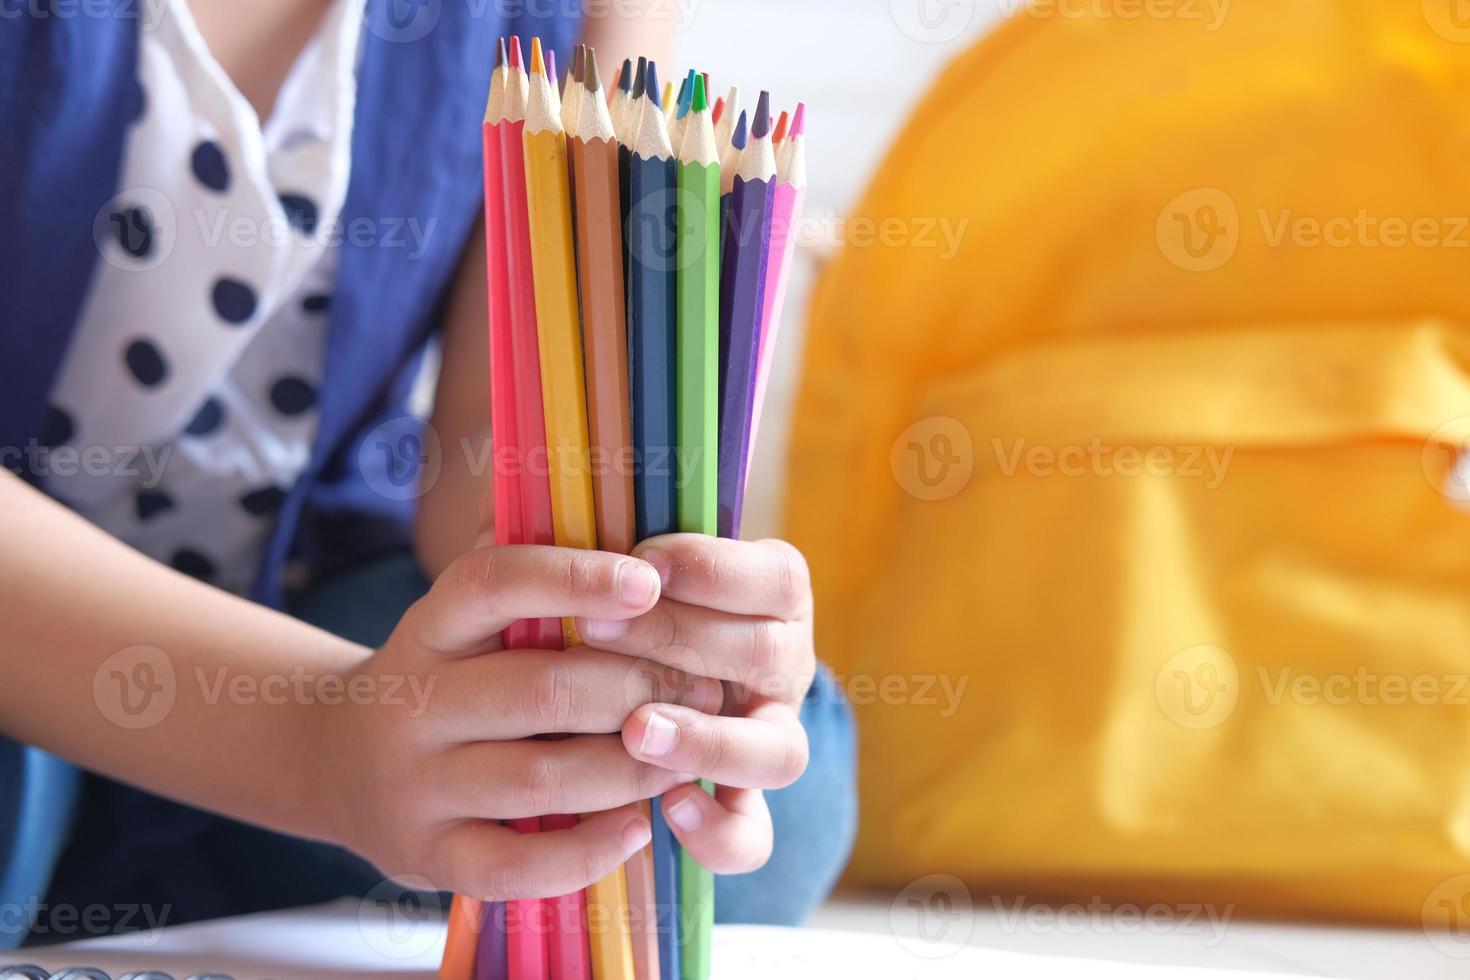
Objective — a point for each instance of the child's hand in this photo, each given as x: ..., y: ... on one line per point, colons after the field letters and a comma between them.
x: 741, y: 613
x: 416, y: 783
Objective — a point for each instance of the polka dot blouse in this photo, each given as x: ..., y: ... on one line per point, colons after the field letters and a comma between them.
x: 189, y: 394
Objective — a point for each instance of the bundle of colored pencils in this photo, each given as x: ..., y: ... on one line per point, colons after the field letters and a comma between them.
x: 638, y: 251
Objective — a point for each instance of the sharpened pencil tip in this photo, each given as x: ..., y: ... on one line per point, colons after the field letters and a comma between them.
x: 798, y: 121
x: 650, y: 86
x: 579, y: 63
x: 686, y: 92
x: 780, y: 133
x: 738, y: 138
x: 500, y: 56
x: 590, y: 77
x: 760, y: 127
x: 538, y: 60
x: 515, y: 51
x: 640, y: 79
x: 700, y: 100
x: 625, y: 75
x: 551, y: 65
x: 719, y: 111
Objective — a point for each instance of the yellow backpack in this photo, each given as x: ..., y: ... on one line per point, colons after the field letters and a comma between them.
x: 1125, y: 460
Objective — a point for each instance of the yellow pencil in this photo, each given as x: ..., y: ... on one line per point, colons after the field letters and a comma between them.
x: 554, y: 272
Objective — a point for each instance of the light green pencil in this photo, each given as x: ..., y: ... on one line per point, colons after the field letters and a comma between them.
x: 698, y: 301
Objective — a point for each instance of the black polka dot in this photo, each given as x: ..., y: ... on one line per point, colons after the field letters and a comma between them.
x: 208, y: 419
x: 150, y: 503
x: 210, y: 166
x: 320, y: 303
x: 233, y: 300
x: 292, y: 396
x: 146, y: 363
x: 58, y: 428
x: 133, y: 229
x: 302, y: 212
x: 263, y: 502
x: 191, y: 562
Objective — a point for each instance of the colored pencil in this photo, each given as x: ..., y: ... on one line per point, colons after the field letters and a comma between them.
x: 463, y: 941
x: 681, y: 112
x: 730, y: 161
x: 530, y: 417
x: 652, y: 300
x: 493, y: 959
x: 742, y: 303
x: 666, y: 101
x: 725, y: 124
x: 699, y: 319
x: 786, y: 209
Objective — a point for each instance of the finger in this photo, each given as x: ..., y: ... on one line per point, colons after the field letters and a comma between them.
x: 729, y: 833
x: 485, y: 591
x: 748, y: 578
x: 757, y: 652
x: 766, y: 750
x: 495, y: 863
x: 520, y: 693
x: 510, y: 780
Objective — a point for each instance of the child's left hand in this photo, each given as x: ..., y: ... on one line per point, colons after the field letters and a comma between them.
x: 739, y: 612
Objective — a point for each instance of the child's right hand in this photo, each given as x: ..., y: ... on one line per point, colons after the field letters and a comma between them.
x: 417, y: 785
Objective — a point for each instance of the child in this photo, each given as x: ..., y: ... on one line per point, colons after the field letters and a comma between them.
x: 212, y: 325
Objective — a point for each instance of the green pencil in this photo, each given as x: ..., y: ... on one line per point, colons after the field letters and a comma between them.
x: 698, y: 301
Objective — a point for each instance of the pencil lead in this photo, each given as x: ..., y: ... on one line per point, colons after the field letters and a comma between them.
x: 719, y: 110
x: 760, y: 127
x: 500, y: 56
x: 640, y: 79
x: 798, y: 121
x: 667, y: 96
x: 625, y: 75
x: 589, y: 71
x: 579, y: 63
x: 551, y: 66
x: 700, y: 101
x: 738, y: 138
x: 538, y: 60
x: 705, y: 76
x: 780, y: 133
x: 686, y: 93
x: 515, y: 51
x: 650, y: 85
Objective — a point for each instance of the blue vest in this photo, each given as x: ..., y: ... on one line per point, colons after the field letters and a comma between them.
x: 68, y: 92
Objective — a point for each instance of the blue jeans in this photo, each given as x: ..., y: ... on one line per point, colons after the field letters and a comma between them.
x: 122, y: 845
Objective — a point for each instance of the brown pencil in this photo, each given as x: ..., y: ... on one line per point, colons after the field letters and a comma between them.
x: 594, y: 150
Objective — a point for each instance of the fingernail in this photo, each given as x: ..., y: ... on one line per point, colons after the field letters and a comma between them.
x: 685, y: 778
x: 660, y: 735
x: 636, y: 585
x: 602, y: 630
x: 685, y: 814
x: 636, y: 835
x: 660, y: 562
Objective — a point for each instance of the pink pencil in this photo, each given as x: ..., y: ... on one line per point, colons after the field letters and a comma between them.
x: 785, y: 213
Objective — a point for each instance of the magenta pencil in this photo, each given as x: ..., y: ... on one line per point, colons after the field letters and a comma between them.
x: 786, y: 207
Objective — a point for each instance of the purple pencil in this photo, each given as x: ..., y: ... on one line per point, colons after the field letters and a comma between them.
x: 742, y: 305
x: 490, y: 961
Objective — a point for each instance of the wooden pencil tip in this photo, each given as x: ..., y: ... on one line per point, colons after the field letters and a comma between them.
x: 700, y: 101
x: 650, y: 86
x: 780, y: 133
x: 686, y: 93
x: 798, y: 122
x: 515, y: 51
x: 738, y: 138
x: 500, y: 56
x: 719, y: 111
x: 551, y: 65
x: 579, y: 63
x: 538, y: 60
x: 760, y: 127
x: 590, y: 77
x: 625, y: 75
